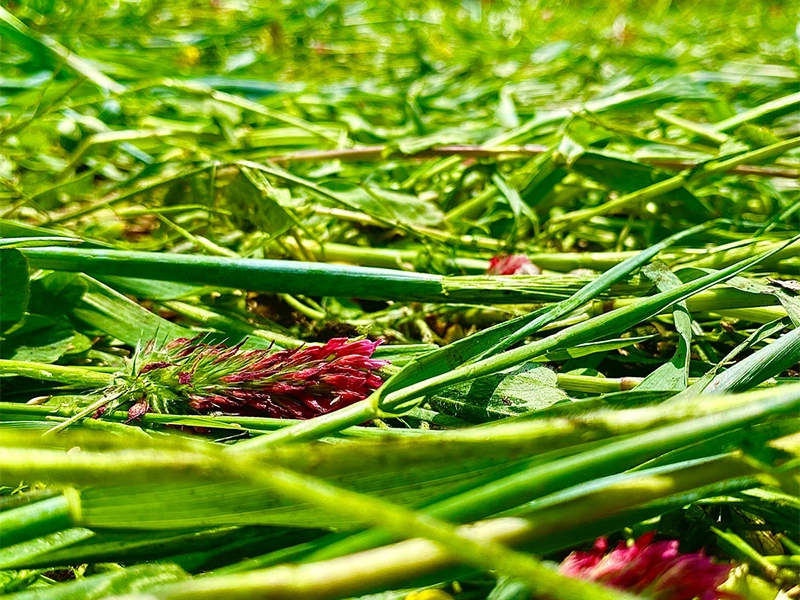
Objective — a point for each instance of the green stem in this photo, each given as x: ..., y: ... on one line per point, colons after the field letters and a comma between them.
x: 673, y: 183
x: 482, y: 553
x: 387, y: 258
x: 13, y: 411
x: 585, y: 505
x: 83, y: 413
x: 309, y: 312
x: 117, y: 197
x: 228, y: 324
x: 479, y: 551
x: 744, y: 551
x: 757, y: 112
x: 75, y: 376
x: 290, y: 277
x: 472, y: 206
x: 35, y: 520
x: 612, y: 458
x: 312, y: 429
x: 699, y: 129
x: 594, y: 288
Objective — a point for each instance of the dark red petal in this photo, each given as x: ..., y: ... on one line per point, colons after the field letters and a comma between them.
x: 138, y: 410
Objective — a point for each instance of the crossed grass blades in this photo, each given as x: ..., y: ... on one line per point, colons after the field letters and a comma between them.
x: 573, y: 227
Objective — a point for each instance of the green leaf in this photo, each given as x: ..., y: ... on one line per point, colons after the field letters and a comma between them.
x: 129, y: 546
x: 30, y: 521
x: 152, y: 289
x: 396, y: 206
x: 624, y: 175
x: 56, y: 293
x: 518, y: 207
x: 32, y: 242
x: 508, y: 589
x: 771, y: 360
x: 254, y: 204
x: 789, y: 301
x: 14, y: 286
x: 122, y: 318
x: 521, y: 390
x: 43, y: 339
x: 506, y: 113
x: 138, y: 578
x: 673, y: 375
x: 547, y: 173
x: 761, y: 334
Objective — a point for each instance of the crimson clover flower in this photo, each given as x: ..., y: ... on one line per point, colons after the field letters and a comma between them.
x: 299, y: 383
x: 512, y: 264
x: 654, y: 569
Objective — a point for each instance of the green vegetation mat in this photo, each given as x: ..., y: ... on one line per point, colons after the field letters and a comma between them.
x: 387, y: 300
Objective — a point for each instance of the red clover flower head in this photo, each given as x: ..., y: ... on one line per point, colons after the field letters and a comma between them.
x: 299, y: 383
x: 653, y: 569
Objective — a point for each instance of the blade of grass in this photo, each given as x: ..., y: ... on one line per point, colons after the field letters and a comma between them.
x: 757, y: 112
x: 34, y: 520
x: 58, y: 373
x: 771, y: 360
x: 19, y: 554
x: 594, y: 288
x: 52, y: 52
x: 656, y: 190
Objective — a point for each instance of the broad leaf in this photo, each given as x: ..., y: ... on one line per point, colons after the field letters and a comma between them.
x: 14, y: 286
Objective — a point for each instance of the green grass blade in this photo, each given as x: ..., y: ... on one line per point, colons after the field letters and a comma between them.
x: 50, y: 51
x: 771, y: 360
x: 37, y: 519
x: 19, y: 555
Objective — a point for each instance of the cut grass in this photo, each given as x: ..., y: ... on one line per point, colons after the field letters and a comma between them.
x: 290, y: 173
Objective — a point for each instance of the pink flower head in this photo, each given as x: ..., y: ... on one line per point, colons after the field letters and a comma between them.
x: 655, y: 570
x: 512, y: 264
x: 300, y: 383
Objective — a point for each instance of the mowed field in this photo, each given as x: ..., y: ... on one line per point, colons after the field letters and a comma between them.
x: 400, y: 300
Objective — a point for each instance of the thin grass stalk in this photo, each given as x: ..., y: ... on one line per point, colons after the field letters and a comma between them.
x: 75, y: 376
x: 771, y: 360
x: 588, y: 331
x: 521, y: 438
x: 227, y: 324
x: 483, y: 553
x: 594, y: 288
x: 382, y: 152
x: 34, y: 520
x: 659, y: 189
